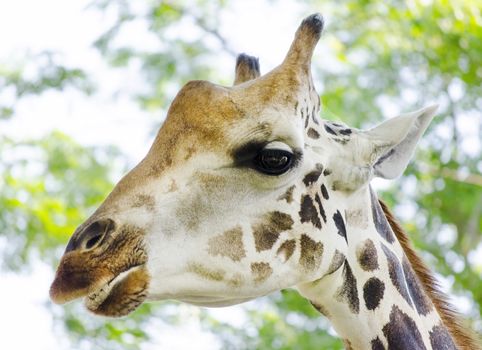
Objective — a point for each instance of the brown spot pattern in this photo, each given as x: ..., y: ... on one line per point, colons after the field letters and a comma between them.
x: 340, y: 225
x: 463, y: 337
x: 236, y: 280
x: 311, y: 253
x: 229, y: 244
x: 261, y: 271
x: 373, y: 291
x: 422, y: 303
x: 402, y: 332
x: 396, y: 274
x: 312, y: 176
x: 336, y: 262
x: 205, y: 272
x: 381, y: 224
x: 324, y: 192
x: 266, y: 233
x: 367, y: 255
x: 288, y: 195
x: 312, y: 133
x: 287, y: 249
x: 440, y: 339
x: 348, y: 292
x: 320, y: 206
x: 308, y: 212
x: 377, y: 344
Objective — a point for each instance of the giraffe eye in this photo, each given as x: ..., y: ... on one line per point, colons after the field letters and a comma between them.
x: 273, y: 161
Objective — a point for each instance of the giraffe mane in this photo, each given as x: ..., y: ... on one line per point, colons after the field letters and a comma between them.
x: 463, y: 337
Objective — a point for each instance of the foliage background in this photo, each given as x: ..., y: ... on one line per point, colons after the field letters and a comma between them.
x: 376, y: 59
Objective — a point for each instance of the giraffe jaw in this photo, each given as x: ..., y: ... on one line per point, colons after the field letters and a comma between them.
x: 213, y: 301
x: 121, y: 295
x: 94, y: 299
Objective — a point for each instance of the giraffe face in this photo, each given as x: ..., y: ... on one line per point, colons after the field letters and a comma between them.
x: 242, y: 193
x: 236, y: 210
x: 209, y: 215
x: 229, y: 220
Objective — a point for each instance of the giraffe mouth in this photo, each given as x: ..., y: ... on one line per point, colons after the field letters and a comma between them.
x: 112, y: 279
x: 121, y: 295
x: 94, y: 299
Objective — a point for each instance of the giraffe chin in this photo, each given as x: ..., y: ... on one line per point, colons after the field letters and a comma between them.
x: 120, y: 296
x: 213, y: 301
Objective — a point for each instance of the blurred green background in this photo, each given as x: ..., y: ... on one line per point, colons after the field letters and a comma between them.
x: 375, y: 59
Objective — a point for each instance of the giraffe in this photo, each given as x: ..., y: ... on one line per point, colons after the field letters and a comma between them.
x: 245, y: 191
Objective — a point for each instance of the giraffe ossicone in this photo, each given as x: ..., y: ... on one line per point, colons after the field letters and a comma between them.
x: 246, y: 191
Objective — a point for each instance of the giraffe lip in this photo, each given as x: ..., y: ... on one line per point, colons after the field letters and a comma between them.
x: 95, y: 298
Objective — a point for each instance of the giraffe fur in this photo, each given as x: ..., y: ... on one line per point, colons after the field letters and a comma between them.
x: 246, y: 191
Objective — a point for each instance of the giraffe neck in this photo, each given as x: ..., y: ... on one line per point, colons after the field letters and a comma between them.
x: 374, y: 298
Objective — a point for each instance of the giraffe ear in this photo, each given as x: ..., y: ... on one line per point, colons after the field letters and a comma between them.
x: 393, y: 142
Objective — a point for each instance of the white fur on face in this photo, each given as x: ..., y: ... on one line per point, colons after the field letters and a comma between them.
x: 208, y: 197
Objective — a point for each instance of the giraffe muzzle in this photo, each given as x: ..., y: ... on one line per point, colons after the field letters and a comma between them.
x: 104, y: 262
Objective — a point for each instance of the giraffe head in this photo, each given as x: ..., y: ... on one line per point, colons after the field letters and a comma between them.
x: 240, y: 194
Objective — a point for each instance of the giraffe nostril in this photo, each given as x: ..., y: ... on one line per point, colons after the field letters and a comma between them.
x: 91, y: 236
x: 93, y: 241
x: 94, y: 234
